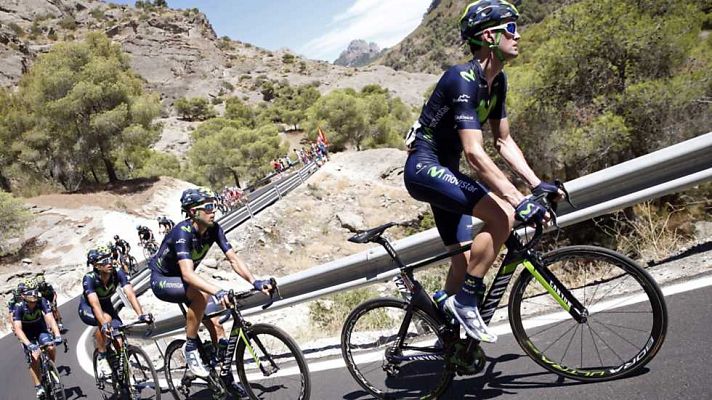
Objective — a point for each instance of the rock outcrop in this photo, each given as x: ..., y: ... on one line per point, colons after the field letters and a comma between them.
x: 358, y: 54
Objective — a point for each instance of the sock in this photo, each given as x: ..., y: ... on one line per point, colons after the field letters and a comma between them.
x: 101, y: 355
x: 467, y: 296
x: 191, y: 344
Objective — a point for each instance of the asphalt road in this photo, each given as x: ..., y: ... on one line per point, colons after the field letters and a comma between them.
x: 680, y: 371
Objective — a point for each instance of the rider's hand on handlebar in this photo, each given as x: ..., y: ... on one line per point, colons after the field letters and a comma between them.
x: 147, y: 318
x: 529, y: 211
x: 222, y: 297
x: 263, y: 285
x: 547, y: 188
x: 58, y: 340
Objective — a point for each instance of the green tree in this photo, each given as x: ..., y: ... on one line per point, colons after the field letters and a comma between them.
x: 82, y: 107
x: 230, y: 155
x: 194, y: 109
x: 14, y: 218
x: 344, y: 115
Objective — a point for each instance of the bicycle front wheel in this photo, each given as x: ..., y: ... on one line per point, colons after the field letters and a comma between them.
x: 271, y: 365
x: 625, y: 326
x: 143, y: 380
x: 389, y: 364
x: 53, y: 386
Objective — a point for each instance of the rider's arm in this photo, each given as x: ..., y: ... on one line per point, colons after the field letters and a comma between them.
x: 17, y: 325
x: 486, y: 169
x: 49, y: 318
x: 510, y: 151
x: 239, y: 266
x: 130, y: 294
x: 99, y: 314
x: 193, y: 279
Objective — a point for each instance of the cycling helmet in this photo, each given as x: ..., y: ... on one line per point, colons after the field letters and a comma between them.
x: 138, y: 227
x: 103, y: 251
x: 92, y: 256
x: 193, y: 197
x: 116, y: 237
x: 30, y: 283
x: 21, y: 287
x: 483, y: 14
x: 40, y: 279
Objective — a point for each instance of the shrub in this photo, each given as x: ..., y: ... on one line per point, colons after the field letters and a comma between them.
x: 288, y: 58
x: 195, y: 109
x: 329, y: 313
x: 16, y: 28
x: 14, y: 219
x: 68, y: 22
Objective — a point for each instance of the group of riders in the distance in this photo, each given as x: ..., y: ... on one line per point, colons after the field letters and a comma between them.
x: 450, y: 124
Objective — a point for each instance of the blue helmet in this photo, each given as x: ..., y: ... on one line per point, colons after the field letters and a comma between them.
x: 483, y: 14
x: 92, y: 256
x: 193, y: 197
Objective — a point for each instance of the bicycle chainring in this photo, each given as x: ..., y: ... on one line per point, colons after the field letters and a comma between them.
x: 464, y: 363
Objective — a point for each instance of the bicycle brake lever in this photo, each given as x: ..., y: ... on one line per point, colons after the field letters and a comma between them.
x: 567, y: 197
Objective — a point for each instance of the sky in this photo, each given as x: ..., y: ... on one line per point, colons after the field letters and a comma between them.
x: 317, y: 29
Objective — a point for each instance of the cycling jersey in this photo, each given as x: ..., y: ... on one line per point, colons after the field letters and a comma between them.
x: 14, y: 299
x: 462, y: 99
x: 122, y: 246
x: 184, y: 242
x: 33, y: 322
x: 92, y: 284
x: 145, y: 234
x: 47, y: 291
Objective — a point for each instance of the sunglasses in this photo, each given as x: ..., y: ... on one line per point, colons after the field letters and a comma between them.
x: 104, y: 261
x: 207, y: 207
x: 509, y: 27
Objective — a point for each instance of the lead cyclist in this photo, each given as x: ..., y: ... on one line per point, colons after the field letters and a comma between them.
x: 449, y: 125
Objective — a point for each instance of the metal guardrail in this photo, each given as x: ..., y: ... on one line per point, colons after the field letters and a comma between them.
x: 665, y: 171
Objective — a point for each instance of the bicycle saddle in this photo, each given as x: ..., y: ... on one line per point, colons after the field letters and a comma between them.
x: 371, y: 234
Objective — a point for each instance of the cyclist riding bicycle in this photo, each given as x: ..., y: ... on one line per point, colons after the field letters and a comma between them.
x: 95, y: 308
x: 165, y: 224
x: 450, y: 123
x: 120, y: 252
x: 14, y: 298
x: 173, y: 277
x: 31, y: 318
x: 122, y: 246
x: 48, y: 293
x: 145, y: 234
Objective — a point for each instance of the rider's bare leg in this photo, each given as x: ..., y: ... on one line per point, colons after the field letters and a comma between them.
x: 498, y: 216
x: 194, y: 313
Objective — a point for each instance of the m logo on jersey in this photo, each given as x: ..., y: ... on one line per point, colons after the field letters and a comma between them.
x: 463, y: 98
x: 484, y: 108
x: 468, y: 75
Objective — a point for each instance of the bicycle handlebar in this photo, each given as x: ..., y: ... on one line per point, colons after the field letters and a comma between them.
x: 550, y: 203
x: 233, y: 297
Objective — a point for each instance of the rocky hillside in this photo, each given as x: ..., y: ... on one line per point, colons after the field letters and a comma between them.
x: 435, y: 44
x: 177, y: 51
x: 358, y: 53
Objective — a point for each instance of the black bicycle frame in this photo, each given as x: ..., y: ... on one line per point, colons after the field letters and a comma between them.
x: 517, y: 254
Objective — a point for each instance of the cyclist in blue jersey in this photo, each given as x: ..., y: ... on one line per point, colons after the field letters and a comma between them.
x: 95, y: 308
x: 173, y: 277
x: 450, y: 124
x: 31, y: 319
x: 15, y: 298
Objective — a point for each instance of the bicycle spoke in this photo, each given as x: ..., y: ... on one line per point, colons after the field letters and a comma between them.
x: 606, y: 344
x: 593, y: 340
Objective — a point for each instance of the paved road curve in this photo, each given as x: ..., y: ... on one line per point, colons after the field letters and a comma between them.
x: 681, y: 370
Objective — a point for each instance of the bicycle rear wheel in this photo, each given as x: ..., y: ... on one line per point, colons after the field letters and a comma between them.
x: 53, y: 386
x: 625, y: 326
x: 271, y: 365
x: 143, y: 380
x: 387, y: 365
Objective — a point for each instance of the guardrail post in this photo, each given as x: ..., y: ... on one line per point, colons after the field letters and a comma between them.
x: 276, y: 189
x: 249, y: 210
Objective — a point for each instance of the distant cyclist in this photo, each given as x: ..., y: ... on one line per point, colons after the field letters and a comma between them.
x: 14, y: 298
x: 145, y: 235
x: 95, y: 308
x: 32, y: 321
x: 173, y: 277
x: 450, y: 124
x: 165, y: 224
x: 122, y: 245
x: 48, y: 293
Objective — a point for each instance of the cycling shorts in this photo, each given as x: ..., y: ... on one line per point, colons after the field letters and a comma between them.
x: 451, y: 194
x: 40, y: 338
x: 86, y: 314
x: 174, y: 289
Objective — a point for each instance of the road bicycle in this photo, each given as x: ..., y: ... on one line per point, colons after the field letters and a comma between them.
x: 150, y: 248
x: 269, y: 363
x: 133, y: 376
x: 582, y: 312
x: 49, y: 376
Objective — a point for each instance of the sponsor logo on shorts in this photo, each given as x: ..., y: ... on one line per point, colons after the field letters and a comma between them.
x: 439, y: 172
x: 464, y: 118
x: 170, y: 285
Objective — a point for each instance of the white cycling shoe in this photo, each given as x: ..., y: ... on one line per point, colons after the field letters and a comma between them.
x: 470, y: 319
x: 195, y: 364
x: 102, y: 367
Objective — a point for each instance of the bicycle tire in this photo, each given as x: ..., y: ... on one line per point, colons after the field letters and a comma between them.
x: 170, y: 369
x: 388, y: 313
x: 262, y: 338
x: 591, y: 274
x: 101, y: 383
x: 141, y: 381
x: 54, y: 387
